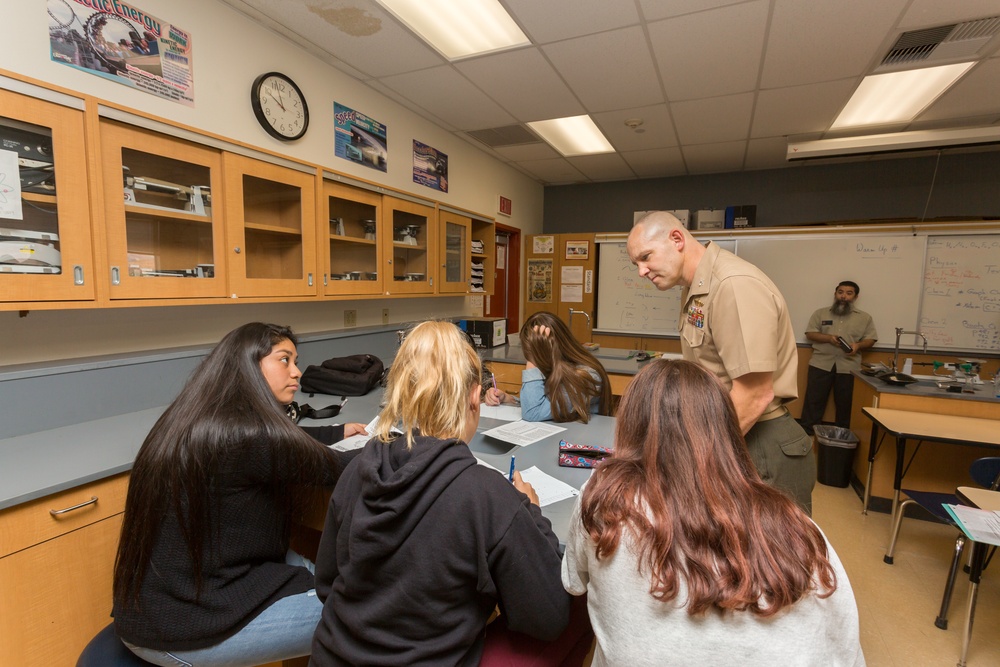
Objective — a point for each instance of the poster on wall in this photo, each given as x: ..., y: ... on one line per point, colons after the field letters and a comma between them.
x: 540, y: 280
x: 121, y: 42
x: 430, y: 167
x: 359, y: 138
x: 578, y: 250
x: 543, y: 245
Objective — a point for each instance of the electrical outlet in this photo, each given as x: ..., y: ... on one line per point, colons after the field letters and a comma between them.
x: 350, y: 318
x: 385, y: 316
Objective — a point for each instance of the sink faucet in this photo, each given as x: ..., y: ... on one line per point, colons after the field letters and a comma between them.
x: 578, y: 312
x: 895, y: 355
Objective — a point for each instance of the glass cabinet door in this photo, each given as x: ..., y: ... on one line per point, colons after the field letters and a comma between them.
x: 165, y: 235
x: 413, y: 228
x: 272, y: 228
x: 455, y: 251
x: 354, y: 219
x: 45, y: 242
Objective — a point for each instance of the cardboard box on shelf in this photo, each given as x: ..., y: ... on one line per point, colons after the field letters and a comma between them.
x: 709, y: 219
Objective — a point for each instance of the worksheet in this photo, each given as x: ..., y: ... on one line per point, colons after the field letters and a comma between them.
x: 507, y: 413
x: 523, y: 433
x: 549, y: 489
x: 979, y: 525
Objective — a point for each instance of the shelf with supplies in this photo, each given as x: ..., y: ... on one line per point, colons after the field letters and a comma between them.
x: 353, y: 256
x: 412, y: 224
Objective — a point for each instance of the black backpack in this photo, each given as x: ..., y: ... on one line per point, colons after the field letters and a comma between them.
x: 355, y: 375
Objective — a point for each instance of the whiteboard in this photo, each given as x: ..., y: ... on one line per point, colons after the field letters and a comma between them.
x: 627, y: 303
x: 961, y: 292
x: 888, y: 269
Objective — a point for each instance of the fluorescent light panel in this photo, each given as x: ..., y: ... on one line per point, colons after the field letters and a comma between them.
x: 897, y: 96
x: 459, y: 28
x: 576, y: 135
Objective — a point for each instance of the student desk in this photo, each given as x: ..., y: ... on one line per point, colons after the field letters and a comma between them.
x: 543, y: 454
x: 905, y: 425
x: 987, y: 500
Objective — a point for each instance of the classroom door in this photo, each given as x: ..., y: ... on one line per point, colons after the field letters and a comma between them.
x: 507, y: 282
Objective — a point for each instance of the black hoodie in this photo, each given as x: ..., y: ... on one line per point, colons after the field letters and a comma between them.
x: 420, y: 546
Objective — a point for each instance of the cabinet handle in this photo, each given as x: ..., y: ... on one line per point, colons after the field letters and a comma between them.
x: 93, y: 499
x: 77, y: 274
x: 324, y: 281
x: 236, y: 250
x: 310, y: 280
x: 116, y: 276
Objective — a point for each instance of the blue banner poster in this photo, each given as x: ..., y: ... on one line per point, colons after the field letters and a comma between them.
x: 430, y: 167
x: 121, y: 42
x: 359, y: 138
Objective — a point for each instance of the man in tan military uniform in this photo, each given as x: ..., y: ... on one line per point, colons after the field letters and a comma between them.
x: 735, y: 323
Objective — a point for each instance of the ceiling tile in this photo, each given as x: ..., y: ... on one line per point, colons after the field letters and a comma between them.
x: 656, y: 131
x: 553, y: 171
x: 974, y: 94
x: 927, y: 13
x: 449, y: 95
x: 711, y: 53
x: 799, y: 109
x: 715, y: 158
x: 540, y: 96
x: 658, y: 162
x: 658, y: 9
x: 523, y: 152
x: 713, y: 120
x: 612, y: 70
x: 608, y: 167
x: 769, y: 153
x: 552, y: 20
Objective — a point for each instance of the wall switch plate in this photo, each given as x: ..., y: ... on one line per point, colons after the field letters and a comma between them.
x: 350, y: 318
x: 385, y: 316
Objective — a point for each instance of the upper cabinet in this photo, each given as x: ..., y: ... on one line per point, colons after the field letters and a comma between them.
x: 45, y: 240
x: 164, y: 227
x: 271, y: 228
x: 466, y: 253
x: 410, y: 262
x: 351, y: 240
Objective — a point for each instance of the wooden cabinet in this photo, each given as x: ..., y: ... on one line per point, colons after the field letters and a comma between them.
x: 484, y: 253
x: 271, y: 228
x: 409, y: 265
x: 454, y: 252
x: 351, y: 240
x: 56, y: 572
x: 45, y: 240
x: 163, y: 225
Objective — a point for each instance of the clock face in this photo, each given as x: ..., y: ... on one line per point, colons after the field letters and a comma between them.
x: 279, y: 106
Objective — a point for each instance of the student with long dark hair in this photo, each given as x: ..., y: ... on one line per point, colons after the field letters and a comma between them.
x: 562, y: 381
x: 204, y: 574
x: 687, y: 557
x: 421, y: 545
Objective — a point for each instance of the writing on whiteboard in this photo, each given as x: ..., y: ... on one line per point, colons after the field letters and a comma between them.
x: 879, y: 250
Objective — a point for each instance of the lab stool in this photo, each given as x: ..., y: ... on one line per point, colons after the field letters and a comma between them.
x: 106, y: 650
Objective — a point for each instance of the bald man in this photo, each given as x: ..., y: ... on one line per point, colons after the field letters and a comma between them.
x: 735, y: 323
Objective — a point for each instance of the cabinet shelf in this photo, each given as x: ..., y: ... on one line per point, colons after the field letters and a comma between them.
x: 408, y: 246
x: 38, y: 198
x: 157, y: 212
x: 271, y: 229
x: 351, y: 239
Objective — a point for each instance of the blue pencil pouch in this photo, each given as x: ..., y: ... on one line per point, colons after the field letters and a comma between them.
x: 582, y: 456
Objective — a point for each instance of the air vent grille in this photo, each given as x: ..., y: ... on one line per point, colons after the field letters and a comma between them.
x: 508, y: 135
x: 941, y: 44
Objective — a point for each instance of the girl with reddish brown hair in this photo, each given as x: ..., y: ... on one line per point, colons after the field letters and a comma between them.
x: 687, y: 557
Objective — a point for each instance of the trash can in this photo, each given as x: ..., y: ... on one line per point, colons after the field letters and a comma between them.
x: 836, y: 454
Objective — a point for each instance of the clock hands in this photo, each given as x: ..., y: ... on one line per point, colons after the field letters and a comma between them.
x: 277, y: 100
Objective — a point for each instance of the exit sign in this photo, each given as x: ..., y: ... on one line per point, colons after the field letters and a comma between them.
x: 504, y: 206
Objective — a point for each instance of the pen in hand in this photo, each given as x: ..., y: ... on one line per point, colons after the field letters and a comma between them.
x: 510, y: 475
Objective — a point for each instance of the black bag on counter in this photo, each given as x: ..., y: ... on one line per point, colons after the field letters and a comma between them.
x: 355, y: 375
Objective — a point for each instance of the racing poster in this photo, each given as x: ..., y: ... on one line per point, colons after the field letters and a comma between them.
x: 430, y: 167
x: 359, y: 138
x: 121, y: 42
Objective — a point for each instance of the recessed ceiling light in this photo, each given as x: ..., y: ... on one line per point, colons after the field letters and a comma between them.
x: 897, y: 97
x: 459, y: 28
x: 576, y: 135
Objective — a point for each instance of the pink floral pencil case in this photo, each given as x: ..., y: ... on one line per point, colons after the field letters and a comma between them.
x: 582, y: 456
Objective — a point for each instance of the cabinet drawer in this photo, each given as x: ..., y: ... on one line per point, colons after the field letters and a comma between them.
x: 33, y: 522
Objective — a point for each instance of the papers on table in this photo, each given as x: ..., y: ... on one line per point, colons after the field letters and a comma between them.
x: 549, y: 489
x: 507, y: 413
x: 979, y: 525
x: 358, y: 441
x: 523, y: 433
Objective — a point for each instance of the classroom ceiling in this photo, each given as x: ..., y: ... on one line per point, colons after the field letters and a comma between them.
x: 719, y: 85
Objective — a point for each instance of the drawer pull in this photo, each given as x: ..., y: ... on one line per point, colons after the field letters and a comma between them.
x: 93, y: 499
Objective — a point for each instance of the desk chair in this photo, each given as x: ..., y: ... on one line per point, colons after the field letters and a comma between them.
x: 986, y: 473
x: 106, y: 650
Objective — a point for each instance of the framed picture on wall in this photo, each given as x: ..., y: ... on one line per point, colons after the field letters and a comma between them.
x: 578, y: 250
